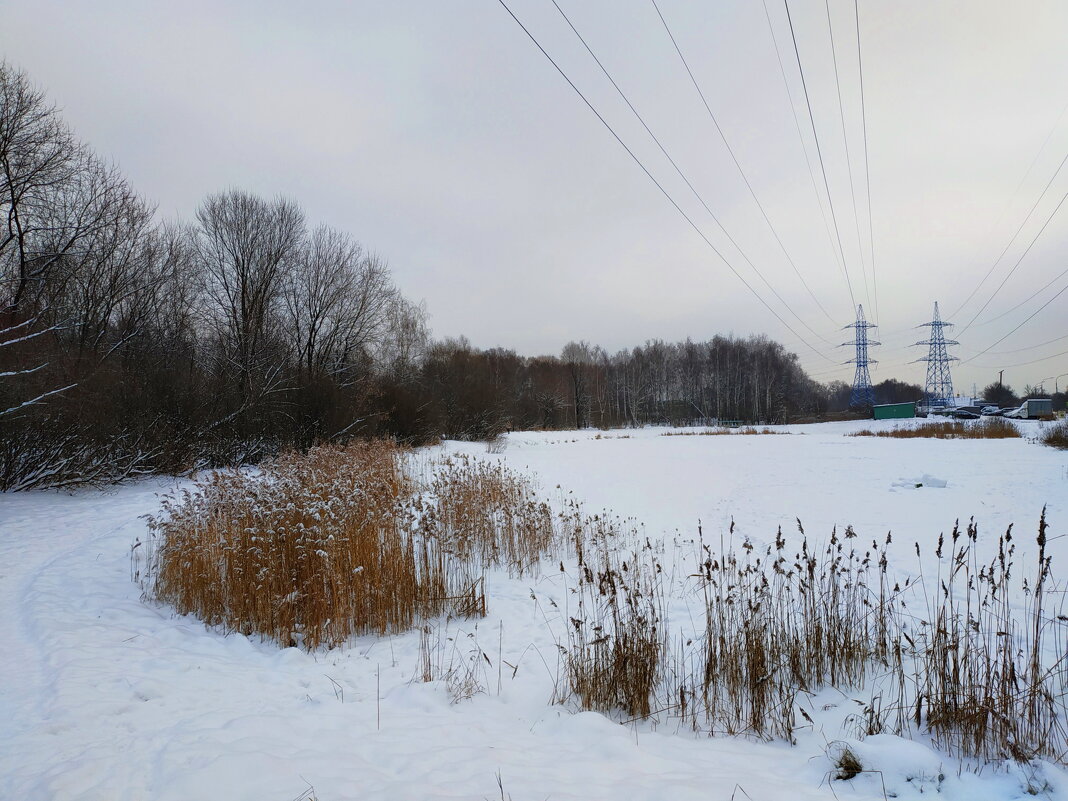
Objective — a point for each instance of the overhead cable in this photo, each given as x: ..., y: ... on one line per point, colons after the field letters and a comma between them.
x: 819, y: 153
x: 658, y: 185
x: 682, y: 175
x: 737, y: 164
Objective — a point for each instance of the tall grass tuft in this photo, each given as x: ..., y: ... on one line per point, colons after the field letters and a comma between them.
x: 616, y: 636
x: 987, y: 681
x: 777, y: 624
x: 309, y: 550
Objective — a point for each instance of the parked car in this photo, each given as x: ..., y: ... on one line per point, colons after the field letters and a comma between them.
x: 991, y: 411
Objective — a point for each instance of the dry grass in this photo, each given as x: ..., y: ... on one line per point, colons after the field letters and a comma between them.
x: 1056, y: 436
x: 985, y: 428
x: 776, y: 624
x: 486, y: 515
x: 846, y: 763
x: 952, y: 655
x: 723, y: 431
x: 314, y: 548
x: 311, y: 550
x: 616, y: 641
x: 456, y: 660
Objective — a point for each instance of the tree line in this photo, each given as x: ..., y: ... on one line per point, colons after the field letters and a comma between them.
x: 131, y: 344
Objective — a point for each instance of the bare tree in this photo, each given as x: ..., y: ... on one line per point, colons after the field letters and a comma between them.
x: 111, y: 270
x: 579, y: 358
x: 244, y: 245
x: 38, y: 157
x: 405, y: 339
x: 71, y: 231
x: 337, y: 304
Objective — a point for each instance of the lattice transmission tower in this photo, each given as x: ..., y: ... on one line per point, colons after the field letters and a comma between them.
x: 863, y: 395
x: 938, y: 391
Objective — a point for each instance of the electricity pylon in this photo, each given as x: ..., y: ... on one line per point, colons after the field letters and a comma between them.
x: 863, y: 395
x: 938, y: 391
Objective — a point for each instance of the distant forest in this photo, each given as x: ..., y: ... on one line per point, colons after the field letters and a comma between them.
x: 133, y: 345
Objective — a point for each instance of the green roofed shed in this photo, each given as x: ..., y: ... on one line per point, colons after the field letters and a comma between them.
x: 893, y: 411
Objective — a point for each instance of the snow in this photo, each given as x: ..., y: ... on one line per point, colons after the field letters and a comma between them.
x: 926, y: 480
x: 106, y: 696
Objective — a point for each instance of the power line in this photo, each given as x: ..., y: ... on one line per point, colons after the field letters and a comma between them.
x: 667, y: 155
x: 1029, y: 213
x: 1029, y: 347
x: 800, y: 136
x: 867, y: 171
x: 1022, y: 364
x: 819, y: 152
x: 1029, y: 298
x: 652, y: 178
x: 1017, y: 328
x: 1019, y: 260
x: 737, y: 164
x: 845, y: 141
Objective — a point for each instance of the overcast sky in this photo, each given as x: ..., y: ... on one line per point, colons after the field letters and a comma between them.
x: 442, y: 138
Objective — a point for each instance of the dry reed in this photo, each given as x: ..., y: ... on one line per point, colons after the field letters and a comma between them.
x: 1056, y: 436
x: 776, y: 624
x: 987, y: 682
x: 986, y: 428
x: 486, y: 514
x: 953, y: 655
x: 616, y: 638
x: 310, y: 550
x: 723, y: 431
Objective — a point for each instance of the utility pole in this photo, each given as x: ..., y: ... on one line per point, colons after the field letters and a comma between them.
x: 863, y: 394
x: 938, y: 390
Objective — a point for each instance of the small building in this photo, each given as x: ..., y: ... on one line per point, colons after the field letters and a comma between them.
x: 894, y: 411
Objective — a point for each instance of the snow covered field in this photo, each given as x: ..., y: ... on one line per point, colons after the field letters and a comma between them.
x: 107, y: 697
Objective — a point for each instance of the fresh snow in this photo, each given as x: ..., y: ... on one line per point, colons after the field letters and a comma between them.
x: 105, y: 696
